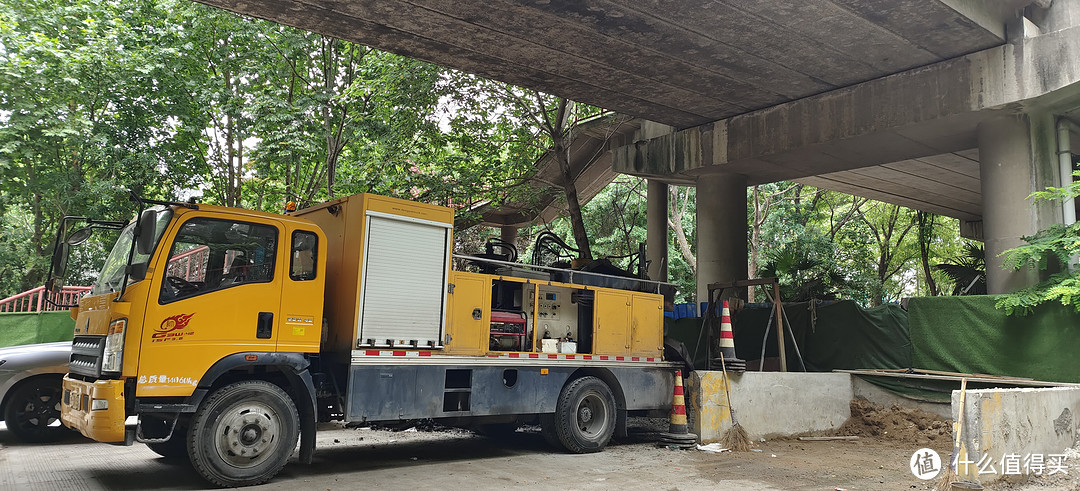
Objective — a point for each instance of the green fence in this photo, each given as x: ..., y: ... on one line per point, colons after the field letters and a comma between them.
x: 951, y: 334
x: 18, y: 328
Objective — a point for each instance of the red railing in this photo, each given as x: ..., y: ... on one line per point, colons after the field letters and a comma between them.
x: 35, y: 300
x: 190, y: 265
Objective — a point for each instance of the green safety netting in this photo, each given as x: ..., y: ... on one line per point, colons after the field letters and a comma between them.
x: 18, y: 328
x: 829, y: 336
x: 950, y: 334
x: 969, y: 335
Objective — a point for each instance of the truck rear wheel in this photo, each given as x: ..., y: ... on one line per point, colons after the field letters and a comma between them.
x: 584, y: 418
x: 243, y: 434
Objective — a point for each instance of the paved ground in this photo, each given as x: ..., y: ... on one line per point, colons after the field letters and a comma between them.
x: 351, y: 458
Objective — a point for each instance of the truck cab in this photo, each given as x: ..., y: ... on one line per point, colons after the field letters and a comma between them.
x: 189, y: 298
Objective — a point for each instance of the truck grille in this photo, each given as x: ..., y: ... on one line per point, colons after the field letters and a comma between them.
x: 86, y: 355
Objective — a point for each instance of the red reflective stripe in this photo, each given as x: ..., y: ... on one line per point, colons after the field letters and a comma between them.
x: 678, y: 410
x: 726, y: 335
x: 635, y: 358
x: 725, y: 319
x: 552, y: 357
x: 586, y: 357
x: 371, y: 352
x: 534, y: 355
x: 399, y: 353
x: 513, y: 355
x: 425, y: 353
x: 604, y: 357
x: 569, y: 357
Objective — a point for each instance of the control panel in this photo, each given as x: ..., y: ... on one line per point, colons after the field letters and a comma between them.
x: 557, y: 314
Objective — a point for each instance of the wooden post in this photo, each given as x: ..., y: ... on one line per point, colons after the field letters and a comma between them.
x: 779, y: 325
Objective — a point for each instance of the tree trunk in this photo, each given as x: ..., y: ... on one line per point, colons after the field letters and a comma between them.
x: 755, y: 243
x: 926, y: 229
x: 675, y: 222
x: 559, y: 131
x: 573, y: 205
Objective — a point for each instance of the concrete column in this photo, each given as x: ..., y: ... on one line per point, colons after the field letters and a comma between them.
x: 721, y: 230
x: 656, y: 225
x: 1016, y: 155
x: 509, y: 234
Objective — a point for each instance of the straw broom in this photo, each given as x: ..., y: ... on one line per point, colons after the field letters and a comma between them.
x: 950, y: 473
x: 735, y: 438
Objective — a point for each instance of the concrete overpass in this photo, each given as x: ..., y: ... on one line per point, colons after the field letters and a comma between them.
x: 949, y: 106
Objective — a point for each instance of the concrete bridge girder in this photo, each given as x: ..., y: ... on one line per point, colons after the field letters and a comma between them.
x: 979, y: 127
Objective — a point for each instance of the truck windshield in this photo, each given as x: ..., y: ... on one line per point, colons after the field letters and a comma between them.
x: 112, y: 272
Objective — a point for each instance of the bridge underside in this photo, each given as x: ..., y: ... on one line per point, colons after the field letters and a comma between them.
x: 947, y: 106
x: 678, y: 63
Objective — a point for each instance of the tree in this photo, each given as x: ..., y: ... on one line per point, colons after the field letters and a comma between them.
x: 762, y: 201
x: 77, y: 120
x: 889, y: 227
x: 1051, y: 248
x: 925, y: 227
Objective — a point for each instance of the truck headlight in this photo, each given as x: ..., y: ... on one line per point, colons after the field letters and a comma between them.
x: 114, y: 347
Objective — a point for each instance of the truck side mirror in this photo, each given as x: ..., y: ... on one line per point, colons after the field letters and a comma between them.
x: 59, y: 267
x: 79, y: 236
x: 144, y: 243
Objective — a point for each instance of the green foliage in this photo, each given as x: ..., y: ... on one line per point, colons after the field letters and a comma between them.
x: 968, y: 271
x: 86, y: 105
x: 806, y: 269
x: 1050, y: 248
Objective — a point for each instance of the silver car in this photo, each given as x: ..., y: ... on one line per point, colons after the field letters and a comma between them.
x: 30, y: 390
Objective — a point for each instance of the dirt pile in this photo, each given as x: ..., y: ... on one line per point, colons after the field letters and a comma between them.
x: 896, y: 423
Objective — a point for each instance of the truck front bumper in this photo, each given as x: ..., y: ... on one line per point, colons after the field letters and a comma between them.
x: 96, y: 409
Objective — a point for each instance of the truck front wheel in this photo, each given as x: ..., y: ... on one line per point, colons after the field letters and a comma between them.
x: 584, y: 419
x: 243, y: 433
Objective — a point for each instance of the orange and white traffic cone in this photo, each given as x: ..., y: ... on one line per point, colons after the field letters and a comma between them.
x: 727, y: 342
x: 678, y: 434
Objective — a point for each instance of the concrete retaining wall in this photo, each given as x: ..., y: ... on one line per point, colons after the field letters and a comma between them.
x: 998, y: 423
x: 1017, y: 422
x: 769, y: 403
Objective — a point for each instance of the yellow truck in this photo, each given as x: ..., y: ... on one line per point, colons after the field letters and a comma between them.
x: 228, y: 334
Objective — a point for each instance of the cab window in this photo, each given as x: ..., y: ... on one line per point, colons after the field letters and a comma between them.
x: 210, y: 254
x: 305, y: 253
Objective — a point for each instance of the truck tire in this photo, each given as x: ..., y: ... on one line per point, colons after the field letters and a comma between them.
x: 584, y: 418
x: 243, y: 434
x: 32, y: 412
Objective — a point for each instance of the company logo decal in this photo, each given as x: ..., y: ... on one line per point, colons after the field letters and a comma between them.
x: 173, y: 328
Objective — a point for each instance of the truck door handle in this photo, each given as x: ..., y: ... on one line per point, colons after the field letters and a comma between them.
x: 265, y: 328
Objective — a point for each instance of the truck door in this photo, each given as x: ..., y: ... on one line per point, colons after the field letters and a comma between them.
x: 612, y: 323
x: 302, y: 297
x: 217, y: 292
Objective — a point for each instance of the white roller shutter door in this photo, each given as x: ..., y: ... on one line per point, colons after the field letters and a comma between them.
x: 403, y: 293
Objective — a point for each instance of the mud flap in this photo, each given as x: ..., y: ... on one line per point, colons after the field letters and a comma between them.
x: 307, y: 420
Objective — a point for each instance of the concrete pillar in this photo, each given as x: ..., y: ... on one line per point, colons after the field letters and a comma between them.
x: 1016, y: 155
x: 509, y: 234
x: 656, y: 225
x: 721, y: 230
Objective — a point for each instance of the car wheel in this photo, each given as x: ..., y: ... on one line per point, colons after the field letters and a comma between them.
x: 32, y: 413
